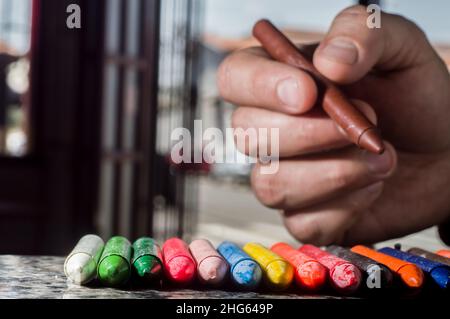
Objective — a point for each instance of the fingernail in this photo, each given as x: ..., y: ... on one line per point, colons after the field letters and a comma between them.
x: 288, y: 92
x: 341, y: 50
x: 380, y: 164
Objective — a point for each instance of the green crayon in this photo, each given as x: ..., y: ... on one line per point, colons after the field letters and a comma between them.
x: 114, y: 269
x: 147, y: 260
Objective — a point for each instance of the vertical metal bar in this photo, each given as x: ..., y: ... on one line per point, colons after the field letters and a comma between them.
x: 187, y: 113
x: 136, y: 200
x: 194, y: 90
x: 119, y: 124
x: 173, y: 22
x: 150, y: 104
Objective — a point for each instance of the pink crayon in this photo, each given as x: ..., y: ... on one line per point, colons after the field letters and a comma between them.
x: 212, y: 269
x: 344, y: 276
x: 179, y: 265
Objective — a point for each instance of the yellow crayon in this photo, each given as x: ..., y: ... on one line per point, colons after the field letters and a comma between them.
x: 278, y: 273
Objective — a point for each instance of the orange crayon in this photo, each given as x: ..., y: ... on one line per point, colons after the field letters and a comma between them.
x: 444, y: 253
x: 410, y: 274
x: 310, y: 275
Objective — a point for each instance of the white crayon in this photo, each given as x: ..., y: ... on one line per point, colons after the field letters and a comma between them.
x: 80, y: 266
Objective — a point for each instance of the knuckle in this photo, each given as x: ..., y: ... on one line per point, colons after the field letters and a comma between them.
x: 268, y: 188
x: 306, y: 229
x: 356, y: 14
x: 259, y: 87
x: 223, y: 76
x: 339, y: 177
x: 413, y: 29
x: 410, y: 26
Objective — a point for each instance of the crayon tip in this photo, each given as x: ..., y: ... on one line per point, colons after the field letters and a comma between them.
x: 371, y: 140
x: 411, y: 275
x: 114, y: 271
x: 76, y: 274
x: 259, y: 24
x: 80, y: 268
x: 247, y: 273
x: 181, y: 269
x: 148, y: 267
x: 311, y: 276
x: 346, y: 278
x: 212, y: 274
x: 441, y: 275
x: 246, y: 277
x: 213, y: 270
x: 280, y: 274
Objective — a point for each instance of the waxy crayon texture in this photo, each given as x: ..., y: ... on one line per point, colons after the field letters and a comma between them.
x: 278, y: 273
x: 358, y: 128
x: 411, y: 275
x: 429, y: 255
x: 147, y: 260
x: 309, y: 273
x: 345, y: 277
x: 179, y: 265
x: 81, y: 264
x: 114, y: 268
x: 444, y: 253
x: 439, y: 272
x: 211, y: 267
x: 371, y: 268
x: 245, y: 272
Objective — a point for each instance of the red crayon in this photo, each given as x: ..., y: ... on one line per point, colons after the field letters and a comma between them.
x: 310, y: 275
x: 179, y: 265
x: 344, y: 276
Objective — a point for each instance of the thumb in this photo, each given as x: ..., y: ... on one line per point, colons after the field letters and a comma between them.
x: 351, y: 49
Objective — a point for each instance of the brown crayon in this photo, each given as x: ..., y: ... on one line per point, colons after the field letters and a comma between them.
x: 357, y: 127
x: 429, y: 255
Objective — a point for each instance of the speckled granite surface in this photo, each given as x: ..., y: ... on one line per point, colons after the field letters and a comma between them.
x: 43, y: 277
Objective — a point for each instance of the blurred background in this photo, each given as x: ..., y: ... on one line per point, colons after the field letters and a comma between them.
x: 86, y: 116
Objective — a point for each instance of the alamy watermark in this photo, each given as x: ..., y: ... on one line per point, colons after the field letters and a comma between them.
x: 73, y: 20
x: 374, y: 277
x: 374, y: 19
x: 213, y: 146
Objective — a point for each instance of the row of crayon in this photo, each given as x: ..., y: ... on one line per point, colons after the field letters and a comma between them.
x: 310, y: 267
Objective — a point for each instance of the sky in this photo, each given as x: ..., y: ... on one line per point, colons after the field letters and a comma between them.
x: 234, y: 18
x: 15, y: 12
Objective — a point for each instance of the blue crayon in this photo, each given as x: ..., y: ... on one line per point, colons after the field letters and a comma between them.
x: 245, y: 272
x: 439, y: 272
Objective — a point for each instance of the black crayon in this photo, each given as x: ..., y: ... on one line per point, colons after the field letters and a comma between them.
x: 369, y: 267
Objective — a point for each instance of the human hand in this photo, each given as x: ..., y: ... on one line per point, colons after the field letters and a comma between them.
x: 328, y: 190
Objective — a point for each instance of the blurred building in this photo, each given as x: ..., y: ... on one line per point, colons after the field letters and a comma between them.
x: 444, y: 52
x: 95, y: 118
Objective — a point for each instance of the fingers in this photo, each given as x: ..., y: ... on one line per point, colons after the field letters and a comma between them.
x: 249, y: 77
x: 313, y: 132
x: 301, y: 183
x: 367, y: 229
x: 309, y: 133
x: 329, y: 222
x: 351, y: 49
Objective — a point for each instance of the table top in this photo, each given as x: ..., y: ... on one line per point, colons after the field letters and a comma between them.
x: 42, y: 277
